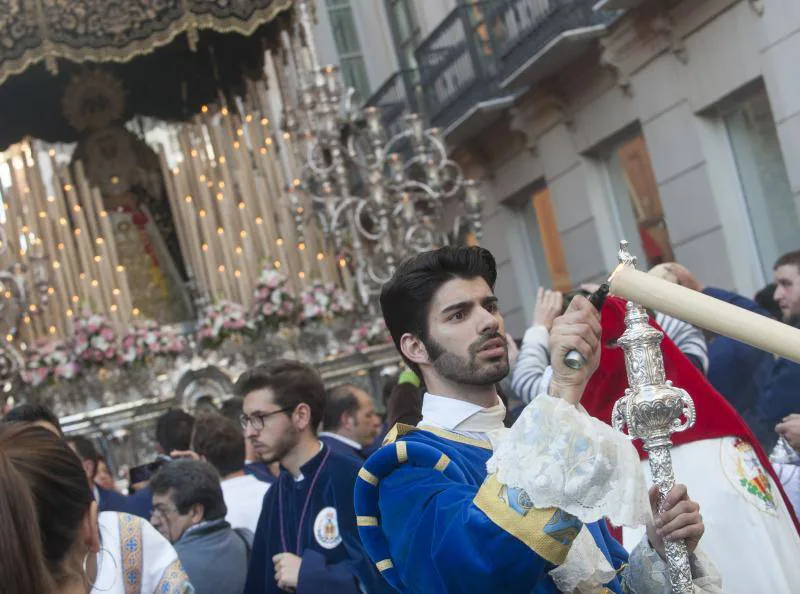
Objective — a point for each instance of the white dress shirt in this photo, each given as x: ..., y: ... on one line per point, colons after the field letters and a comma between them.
x: 345, y: 440
x: 244, y: 496
x: 459, y: 416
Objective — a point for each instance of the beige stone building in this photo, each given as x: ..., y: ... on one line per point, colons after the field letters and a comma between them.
x: 674, y: 124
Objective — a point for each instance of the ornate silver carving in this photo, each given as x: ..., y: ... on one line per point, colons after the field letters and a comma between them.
x: 652, y: 409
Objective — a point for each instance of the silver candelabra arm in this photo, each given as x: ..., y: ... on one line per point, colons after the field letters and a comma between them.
x: 651, y: 410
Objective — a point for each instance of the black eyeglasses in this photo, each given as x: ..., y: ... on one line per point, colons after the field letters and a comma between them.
x: 256, y: 420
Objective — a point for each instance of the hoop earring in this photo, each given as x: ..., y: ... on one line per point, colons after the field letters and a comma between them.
x: 93, y: 585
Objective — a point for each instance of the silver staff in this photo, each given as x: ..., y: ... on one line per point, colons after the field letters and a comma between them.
x: 652, y: 409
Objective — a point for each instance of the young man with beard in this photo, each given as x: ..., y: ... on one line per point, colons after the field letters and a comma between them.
x: 307, y: 540
x: 461, y: 504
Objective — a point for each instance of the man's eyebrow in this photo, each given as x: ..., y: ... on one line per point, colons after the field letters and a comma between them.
x: 456, y: 306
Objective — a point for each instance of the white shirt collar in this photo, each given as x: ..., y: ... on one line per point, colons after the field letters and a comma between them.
x: 446, y: 413
x: 345, y: 440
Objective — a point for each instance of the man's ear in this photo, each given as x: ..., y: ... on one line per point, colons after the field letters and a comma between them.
x: 301, y: 417
x: 196, y: 513
x: 413, y: 349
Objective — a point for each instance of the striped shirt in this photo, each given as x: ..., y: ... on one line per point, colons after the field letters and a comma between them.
x: 531, y: 375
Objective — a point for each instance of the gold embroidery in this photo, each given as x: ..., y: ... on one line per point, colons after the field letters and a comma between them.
x: 174, y: 580
x: 547, y: 532
x: 384, y: 565
x: 400, y: 429
x: 442, y: 463
x: 366, y: 521
x: 366, y: 475
x: 397, y: 431
x: 130, y: 539
x: 402, y: 452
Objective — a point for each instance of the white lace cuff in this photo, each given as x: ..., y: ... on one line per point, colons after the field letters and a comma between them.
x: 564, y: 458
x: 585, y: 569
x: 646, y: 572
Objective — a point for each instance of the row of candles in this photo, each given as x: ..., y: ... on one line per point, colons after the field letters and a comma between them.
x: 61, y: 245
x: 233, y: 194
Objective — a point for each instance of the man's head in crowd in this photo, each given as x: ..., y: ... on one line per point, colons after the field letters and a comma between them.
x: 220, y: 442
x: 443, y: 316
x: 87, y: 454
x: 185, y: 493
x: 283, y: 406
x: 174, y: 431
x: 350, y: 412
x: 35, y: 414
x: 787, y: 279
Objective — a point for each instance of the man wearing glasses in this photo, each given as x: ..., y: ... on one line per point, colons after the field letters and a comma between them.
x: 307, y: 540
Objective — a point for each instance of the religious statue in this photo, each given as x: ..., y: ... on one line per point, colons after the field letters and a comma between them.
x: 127, y: 172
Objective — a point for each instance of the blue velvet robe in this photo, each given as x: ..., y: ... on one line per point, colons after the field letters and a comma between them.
x: 434, y: 523
x: 331, y: 569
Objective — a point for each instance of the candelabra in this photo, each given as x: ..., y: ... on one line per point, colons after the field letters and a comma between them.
x: 376, y: 199
x: 651, y: 410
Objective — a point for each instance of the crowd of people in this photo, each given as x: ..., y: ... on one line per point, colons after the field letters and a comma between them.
x: 493, y: 468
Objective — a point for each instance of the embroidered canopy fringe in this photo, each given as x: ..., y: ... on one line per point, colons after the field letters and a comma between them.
x: 91, y: 31
x: 564, y: 458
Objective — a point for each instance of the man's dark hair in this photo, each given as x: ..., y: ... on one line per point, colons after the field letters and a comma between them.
x: 339, y: 400
x: 220, y: 441
x: 85, y: 450
x: 33, y: 413
x: 191, y: 482
x: 766, y: 299
x: 174, y: 430
x: 232, y: 409
x: 291, y: 383
x: 790, y: 258
x: 407, y: 296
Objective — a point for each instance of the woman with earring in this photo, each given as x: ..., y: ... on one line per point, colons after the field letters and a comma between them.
x: 52, y: 538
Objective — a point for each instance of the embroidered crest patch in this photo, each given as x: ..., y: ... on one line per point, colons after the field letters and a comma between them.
x: 743, y: 468
x: 326, y: 529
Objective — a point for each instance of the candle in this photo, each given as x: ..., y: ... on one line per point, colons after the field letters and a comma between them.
x: 706, y: 312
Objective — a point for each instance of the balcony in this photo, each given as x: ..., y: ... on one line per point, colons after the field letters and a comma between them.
x: 458, y: 73
x: 396, y: 98
x: 534, y: 39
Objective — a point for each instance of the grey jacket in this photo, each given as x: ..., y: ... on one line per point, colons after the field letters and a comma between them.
x: 215, y: 557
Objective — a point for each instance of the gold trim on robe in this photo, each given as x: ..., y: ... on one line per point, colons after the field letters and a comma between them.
x: 131, y: 552
x: 547, y: 532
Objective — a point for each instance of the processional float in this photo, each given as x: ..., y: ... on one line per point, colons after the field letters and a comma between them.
x: 652, y: 409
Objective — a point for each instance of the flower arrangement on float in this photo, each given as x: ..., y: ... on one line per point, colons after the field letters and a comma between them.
x: 48, y: 360
x: 94, y: 341
x: 146, y: 338
x: 323, y: 302
x: 273, y: 303
x: 223, y: 320
x: 370, y: 333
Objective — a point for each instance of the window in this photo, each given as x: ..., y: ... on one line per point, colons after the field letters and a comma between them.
x: 636, y: 202
x: 345, y: 36
x: 762, y: 174
x: 406, y: 32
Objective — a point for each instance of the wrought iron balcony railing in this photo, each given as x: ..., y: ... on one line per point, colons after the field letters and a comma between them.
x: 485, y: 50
x: 396, y: 98
x: 527, y: 34
x: 456, y: 64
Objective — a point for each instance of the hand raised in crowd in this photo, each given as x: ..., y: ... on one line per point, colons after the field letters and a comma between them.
x: 678, y: 519
x: 684, y: 277
x: 287, y: 570
x: 513, y: 351
x: 578, y: 329
x: 789, y: 428
x: 547, y: 308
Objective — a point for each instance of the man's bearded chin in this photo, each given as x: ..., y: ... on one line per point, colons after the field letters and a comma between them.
x: 282, y: 447
x: 471, y: 371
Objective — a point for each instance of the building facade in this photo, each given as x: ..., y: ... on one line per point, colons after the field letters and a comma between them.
x: 673, y: 124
